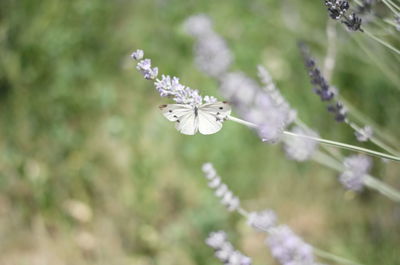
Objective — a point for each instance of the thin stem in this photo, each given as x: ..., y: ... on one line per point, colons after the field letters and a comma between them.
x: 330, y: 58
x: 391, y: 6
x: 333, y: 153
x: 369, y: 180
x: 374, y: 140
x: 327, y: 161
x: 390, y: 22
x: 243, y: 122
x: 384, y: 43
x: 382, y: 188
x: 327, y: 255
x: 324, y: 141
x: 394, y: 77
x: 363, y: 119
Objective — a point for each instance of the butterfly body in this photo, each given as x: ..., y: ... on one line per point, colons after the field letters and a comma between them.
x: 206, y: 118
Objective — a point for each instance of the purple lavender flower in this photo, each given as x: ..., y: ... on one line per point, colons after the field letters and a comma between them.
x: 137, y: 55
x: 364, y: 134
x: 169, y: 86
x: 262, y: 221
x: 272, y: 90
x: 221, y: 190
x: 353, y: 22
x: 216, y: 239
x: 288, y: 248
x: 144, y: 66
x: 337, y: 10
x: 224, y: 250
x: 326, y: 92
x: 212, y: 55
x: 298, y: 148
x: 355, y: 169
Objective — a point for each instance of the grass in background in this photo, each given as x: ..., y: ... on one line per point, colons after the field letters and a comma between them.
x: 91, y: 173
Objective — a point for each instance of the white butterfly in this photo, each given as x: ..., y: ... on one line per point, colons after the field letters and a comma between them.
x: 206, y: 118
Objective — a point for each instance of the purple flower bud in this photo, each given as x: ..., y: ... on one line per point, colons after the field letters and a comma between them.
x: 224, y: 250
x: 137, y: 55
x: 222, y: 191
x: 262, y: 221
x: 355, y: 169
x: 364, y: 134
x: 288, y: 248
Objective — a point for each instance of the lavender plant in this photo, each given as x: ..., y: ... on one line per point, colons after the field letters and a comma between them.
x: 356, y: 168
x: 224, y: 250
x: 328, y: 93
x: 339, y: 10
x: 212, y: 54
x: 187, y: 96
x: 243, y: 92
x: 266, y: 111
x: 284, y: 245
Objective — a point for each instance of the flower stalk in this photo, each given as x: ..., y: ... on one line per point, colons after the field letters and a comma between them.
x: 324, y: 141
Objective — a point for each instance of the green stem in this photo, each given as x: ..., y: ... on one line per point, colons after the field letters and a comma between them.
x: 360, y: 117
x: 327, y: 255
x: 333, y: 153
x: 324, y: 141
x: 394, y: 77
x: 391, y: 6
x: 384, y: 43
x: 374, y: 140
x: 382, y: 188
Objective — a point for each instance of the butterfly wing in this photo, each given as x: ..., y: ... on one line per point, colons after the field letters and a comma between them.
x: 174, y: 112
x: 188, y: 124
x: 211, y: 116
x: 183, y: 115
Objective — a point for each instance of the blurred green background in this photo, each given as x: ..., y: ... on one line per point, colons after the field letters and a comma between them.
x: 91, y: 173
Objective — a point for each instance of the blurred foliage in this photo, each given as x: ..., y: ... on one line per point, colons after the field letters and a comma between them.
x: 90, y: 173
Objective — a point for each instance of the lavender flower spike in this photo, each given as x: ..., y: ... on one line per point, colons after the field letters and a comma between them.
x: 212, y: 55
x: 169, y: 86
x: 144, y: 66
x: 356, y: 167
x: 262, y: 221
x: 137, y: 55
x: 221, y: 190
x: 326, y: 92
x: 337, y: 10
x: 364, y: 134
x: 288, y: 248
x: 224, y: 250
